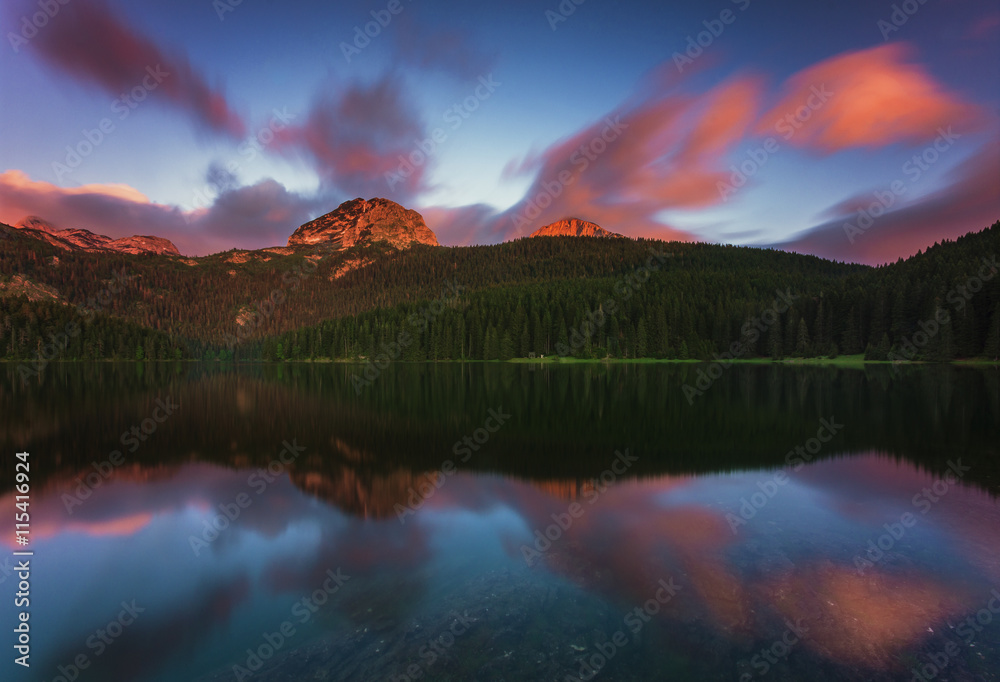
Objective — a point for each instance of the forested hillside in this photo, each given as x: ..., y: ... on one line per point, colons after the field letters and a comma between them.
x: 579, y: 296
x: 700, y: 301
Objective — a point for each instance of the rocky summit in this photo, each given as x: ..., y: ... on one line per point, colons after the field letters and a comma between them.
x: 573, y: 227
x: 74, y: 239
x: 364, y: 222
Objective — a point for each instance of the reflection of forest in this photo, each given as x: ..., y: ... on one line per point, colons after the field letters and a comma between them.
x: 364, y: 452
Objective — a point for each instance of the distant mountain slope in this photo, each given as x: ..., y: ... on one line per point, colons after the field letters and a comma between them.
x: 84, y: 240
x: 359, y: 222
x: 530, y: 295
x: 573, y: 227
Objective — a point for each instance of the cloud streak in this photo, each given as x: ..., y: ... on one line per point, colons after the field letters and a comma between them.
x: 88, y: 42
x: 254, y: 216
x: 354, y: 136
x: 879, y: 98
x: 664, y: 149
x: 969, y: 202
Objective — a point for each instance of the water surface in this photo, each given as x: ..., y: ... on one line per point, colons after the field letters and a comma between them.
x: 503, y: 522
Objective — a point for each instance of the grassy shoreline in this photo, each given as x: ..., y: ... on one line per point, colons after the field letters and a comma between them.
x: 849, y: 361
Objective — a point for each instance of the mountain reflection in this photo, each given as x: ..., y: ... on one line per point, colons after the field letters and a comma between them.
x: 366, y: 451
x: 206, y: 527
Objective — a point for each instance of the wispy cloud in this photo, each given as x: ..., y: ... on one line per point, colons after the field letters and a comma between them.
x: 969, y: 202
x: 253, y: 216
x: 89, y: 42
x: 880, y: 98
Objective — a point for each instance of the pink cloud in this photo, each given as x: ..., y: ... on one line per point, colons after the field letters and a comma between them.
x: 985, y: 26
x: 254, y: 216
x: 447, y: 50
x: 90, y: 43
x: 355, y: 135
x: 968, y: 203
x: 877, y: 98
x: 664, y: 149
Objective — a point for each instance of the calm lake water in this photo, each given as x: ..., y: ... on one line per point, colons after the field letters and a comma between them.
x: 506, y: 522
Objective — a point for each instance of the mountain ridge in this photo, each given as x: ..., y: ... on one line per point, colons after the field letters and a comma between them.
x: 658, y: 299
x: 356, y: 222
x: 361, y: 221
x: 574, y: 227
x: 77, y: 239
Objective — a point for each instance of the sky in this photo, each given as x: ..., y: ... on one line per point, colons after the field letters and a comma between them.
x: 855, y: 130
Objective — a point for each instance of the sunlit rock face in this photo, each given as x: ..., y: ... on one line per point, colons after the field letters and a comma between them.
x: 84, y: 240
x: 363, y: 222
x: 573, y: 227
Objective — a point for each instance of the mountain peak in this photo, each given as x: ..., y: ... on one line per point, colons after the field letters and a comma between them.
x: 74, y: 239
x: 573, y: 227
x: 361, y: 221
x: 33, y: 222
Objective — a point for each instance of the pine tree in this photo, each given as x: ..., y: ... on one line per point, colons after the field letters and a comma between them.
x: 491, y: 345
x: 506, y: 351
x: 774, y: 341
x: 802, y: 339
x: 992, y: 347
x: 640, y: 339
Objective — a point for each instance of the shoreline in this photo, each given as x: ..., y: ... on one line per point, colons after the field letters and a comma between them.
x: 846, y: 361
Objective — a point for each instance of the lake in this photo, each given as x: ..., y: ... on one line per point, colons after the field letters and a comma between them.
x: 507, y: 522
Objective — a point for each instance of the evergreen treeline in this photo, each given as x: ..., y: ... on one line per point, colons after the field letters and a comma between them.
x: 566, y: 423
x: 585, y: 297
x: 939, y: 305
x: 40, y: 332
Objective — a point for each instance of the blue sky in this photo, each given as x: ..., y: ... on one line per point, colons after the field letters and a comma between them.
x: 692, y: 114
